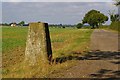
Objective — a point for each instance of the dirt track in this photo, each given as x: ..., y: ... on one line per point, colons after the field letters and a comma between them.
x: 104, y: 40
x: 102, y: 63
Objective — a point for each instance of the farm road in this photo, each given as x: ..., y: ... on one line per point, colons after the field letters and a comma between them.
x: 102, y: 63
x: 104, y: 40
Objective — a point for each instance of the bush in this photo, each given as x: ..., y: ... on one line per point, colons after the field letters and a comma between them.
x: 79, y: 25
x: 115, y: 26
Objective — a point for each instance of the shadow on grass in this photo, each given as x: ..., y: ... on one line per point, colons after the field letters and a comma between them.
x: 93, y: 55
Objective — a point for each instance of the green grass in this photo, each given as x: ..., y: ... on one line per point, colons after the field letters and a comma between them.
x: 64, y: 43
x: 13, y: 37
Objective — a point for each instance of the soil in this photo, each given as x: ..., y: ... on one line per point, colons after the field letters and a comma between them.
x: 101, y: 62
x: 15, y: 56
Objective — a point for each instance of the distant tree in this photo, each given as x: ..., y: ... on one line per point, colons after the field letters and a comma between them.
x: 79, y: 25
x: 63, y: 26
x: 116, y: 17
x: 60, y: 24
x: 113, y: 17
x: 94, y: 18
x: 21, y: 23
x: 117, y: 2
x: 39, y: 21
x: 5, y: 24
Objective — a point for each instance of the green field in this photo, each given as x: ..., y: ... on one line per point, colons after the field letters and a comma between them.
x: 65, y: 42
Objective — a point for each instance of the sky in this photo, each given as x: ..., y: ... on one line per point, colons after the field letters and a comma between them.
x: 56, y: 0
x: 54, y: 12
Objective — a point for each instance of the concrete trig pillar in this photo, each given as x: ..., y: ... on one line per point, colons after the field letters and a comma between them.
x: 38, y: 45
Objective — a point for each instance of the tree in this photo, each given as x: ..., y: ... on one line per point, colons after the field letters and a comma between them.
x: 21, y: 23
x: 94, y: 18
x: 79, y: 25
x: 113, y: 17
x: 117, y: 2
x: 116, y: 17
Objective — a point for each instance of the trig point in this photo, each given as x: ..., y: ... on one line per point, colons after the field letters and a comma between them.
x: 38, y: 45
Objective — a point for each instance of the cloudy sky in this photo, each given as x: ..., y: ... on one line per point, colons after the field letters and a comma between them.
x: 51, y: 12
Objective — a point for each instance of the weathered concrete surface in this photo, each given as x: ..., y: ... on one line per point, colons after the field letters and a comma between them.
x: 38, y: 45
x: 104, y: 40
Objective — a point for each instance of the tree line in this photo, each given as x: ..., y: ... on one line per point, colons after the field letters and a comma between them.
x: 21, y: 23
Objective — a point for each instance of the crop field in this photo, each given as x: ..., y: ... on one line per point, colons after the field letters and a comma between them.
x: 65, y: 42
